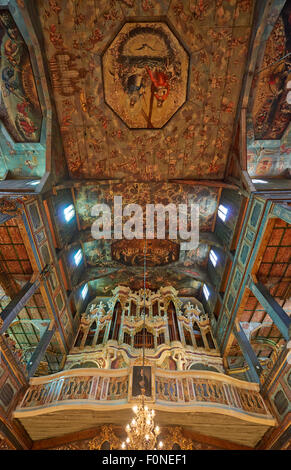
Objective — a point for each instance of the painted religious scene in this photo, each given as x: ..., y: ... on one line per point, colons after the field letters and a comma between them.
x: 145, y: 73
x: 269, y: 132
x: 20, y: 109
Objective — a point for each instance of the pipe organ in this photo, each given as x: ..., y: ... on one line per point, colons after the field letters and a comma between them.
x: 173, y: 330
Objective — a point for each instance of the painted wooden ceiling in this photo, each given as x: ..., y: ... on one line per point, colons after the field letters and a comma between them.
x: 195, y: 141
x: 111, y: 262
x: 269, y: 114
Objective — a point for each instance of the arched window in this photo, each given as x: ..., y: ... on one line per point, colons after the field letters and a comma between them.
x: 91, y: 333
x: 89, y: 365
x: 198, y: 336
x: 133, y: 309
x: 161, y: 339
x: 155, y: 309
x: 173, y: 323
x: 100, y: 336
x: 115, y: 322
x: 188, y: 339
x: 79, y: 339
x: 105, y: 445
x: 126, y: 338
x: 200, y: 366
x: 210, y: 340
x: 144, y: 337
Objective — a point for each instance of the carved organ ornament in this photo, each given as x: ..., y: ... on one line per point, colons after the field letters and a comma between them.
x: 118, y: 326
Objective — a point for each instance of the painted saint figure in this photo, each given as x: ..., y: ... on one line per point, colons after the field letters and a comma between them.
x: 135, y: 88
x: 160, y: 85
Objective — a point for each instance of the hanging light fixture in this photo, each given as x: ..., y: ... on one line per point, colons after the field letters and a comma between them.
x: 142, y: 433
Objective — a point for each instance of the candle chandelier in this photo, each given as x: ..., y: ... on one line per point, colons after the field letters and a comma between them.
x: 142, y: 434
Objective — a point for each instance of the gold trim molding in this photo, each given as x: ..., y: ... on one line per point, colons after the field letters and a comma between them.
x: 106, y: 435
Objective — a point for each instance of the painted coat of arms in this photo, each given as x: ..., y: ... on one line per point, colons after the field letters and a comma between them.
x: 145, y: 72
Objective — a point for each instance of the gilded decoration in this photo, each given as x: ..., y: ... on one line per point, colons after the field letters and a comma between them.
x: 145, y: 72
x: 101, y: 343
x: 105, y: 440
x: 174, y: 439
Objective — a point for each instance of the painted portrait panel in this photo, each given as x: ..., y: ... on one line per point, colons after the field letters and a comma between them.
x: 141, y: 377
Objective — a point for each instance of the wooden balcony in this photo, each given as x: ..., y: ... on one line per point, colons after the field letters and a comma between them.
x: 205, y: 402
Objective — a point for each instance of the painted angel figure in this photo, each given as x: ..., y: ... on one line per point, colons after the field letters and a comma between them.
x: 100, y: 308
x: 92, y: 307
x: 179, y: 358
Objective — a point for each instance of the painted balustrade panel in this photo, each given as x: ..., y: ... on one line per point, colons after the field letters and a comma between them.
x: 95, y: 388
x: 195, y: 390
x: 184, y: 390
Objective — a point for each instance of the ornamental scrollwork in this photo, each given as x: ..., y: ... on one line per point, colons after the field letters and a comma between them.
x: 106, y: 435
x: 175, y: 436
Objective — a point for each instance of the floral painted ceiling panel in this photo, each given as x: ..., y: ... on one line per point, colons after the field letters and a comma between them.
x: 195, y: 141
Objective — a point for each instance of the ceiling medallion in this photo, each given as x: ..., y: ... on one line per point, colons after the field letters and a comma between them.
x: 145, y: 73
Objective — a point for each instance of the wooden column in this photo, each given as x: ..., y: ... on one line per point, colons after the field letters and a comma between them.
x: 182, y: 335
x: 85, y: 334
x: 120, y: 334
x: 96, y: 333
x: 167, y: 335
x: 276, y: 312
x: 40, y: 350
x: 254, y: 366
x: 11, y: 311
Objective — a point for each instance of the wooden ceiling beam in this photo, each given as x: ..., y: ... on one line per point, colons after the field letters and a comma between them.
x: 212, y: 183
x: 87, y: 434
x: 194, y: 182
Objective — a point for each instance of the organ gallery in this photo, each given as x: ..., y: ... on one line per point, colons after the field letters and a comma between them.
x: 145, y: 226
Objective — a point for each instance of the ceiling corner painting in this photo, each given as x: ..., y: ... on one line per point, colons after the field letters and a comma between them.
x: 20, y: 110
x: 145, y: 72
x: 269, y: 115
x: 271, y: 111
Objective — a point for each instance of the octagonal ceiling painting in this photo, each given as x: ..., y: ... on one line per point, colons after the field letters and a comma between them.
x: 145, y: 73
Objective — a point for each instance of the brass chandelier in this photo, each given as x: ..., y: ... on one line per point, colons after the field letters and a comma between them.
x: 142, y: 433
